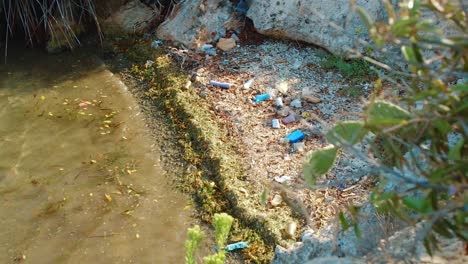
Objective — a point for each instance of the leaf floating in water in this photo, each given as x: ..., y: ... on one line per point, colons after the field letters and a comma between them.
x: 108, y: 197
x: 84, y: 104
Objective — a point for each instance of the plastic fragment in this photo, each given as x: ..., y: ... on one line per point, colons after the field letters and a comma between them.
x: 261, y: 97
x: 279, y: 102
x: 296, y: 103
x: 238, y: 245
x: 283, y: 178
x: 248, y: 84
x: 156, y: 43
x: 220, y: 84
x: 289, y: 119
x: 295, y: 136
x: 275, y: 123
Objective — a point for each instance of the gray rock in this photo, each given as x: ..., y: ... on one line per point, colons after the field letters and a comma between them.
x: 331, y: 24
x: 197, y: 22
x: 133, y: 17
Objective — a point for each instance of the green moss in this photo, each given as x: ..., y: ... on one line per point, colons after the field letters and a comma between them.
x: 214, y: 184
x: 357, y: 70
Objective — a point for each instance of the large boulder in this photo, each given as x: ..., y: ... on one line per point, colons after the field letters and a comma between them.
x: 133, y: 17
x: 331, y: 24
x: 197, y: 22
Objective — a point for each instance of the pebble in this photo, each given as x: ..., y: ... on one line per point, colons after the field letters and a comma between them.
x: 277, y: 200
x: 296, y: 103
x: 299, y: 146
x: 311, y: 99
x: 226, y: 44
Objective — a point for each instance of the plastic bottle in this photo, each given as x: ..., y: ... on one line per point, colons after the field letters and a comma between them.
x: 295, y: 136
x: 220, y: 84
x: 238, y: 245
x: 261, y: 97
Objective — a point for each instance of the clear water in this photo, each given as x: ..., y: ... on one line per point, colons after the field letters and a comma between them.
x: 79, y: 180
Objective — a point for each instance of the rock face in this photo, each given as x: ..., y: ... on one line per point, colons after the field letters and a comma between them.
x: 133, y: 17
x: 197, y: 22
x: 331, y: 24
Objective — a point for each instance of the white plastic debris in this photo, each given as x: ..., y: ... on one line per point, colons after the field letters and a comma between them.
x: 283, y: 178
x: 156, y: 43
x: 149, y: 63
x: 248, y: 84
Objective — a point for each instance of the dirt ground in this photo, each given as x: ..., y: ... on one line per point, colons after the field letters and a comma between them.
x: 289, y: 71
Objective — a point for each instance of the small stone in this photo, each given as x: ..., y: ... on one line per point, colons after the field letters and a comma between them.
x: 277, y: 200
x: 282, y: 87
x: 291, y: 229
x: 226, y: 44
x: 296, y: 103
x: 311, y: 99
x: 299, y: 146
x: 289, y: 119
x: 284, y: 111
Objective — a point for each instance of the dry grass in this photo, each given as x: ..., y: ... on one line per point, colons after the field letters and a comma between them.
x: 47, y: 19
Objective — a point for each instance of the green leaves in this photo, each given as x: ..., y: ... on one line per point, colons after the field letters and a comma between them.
x: 346, y: 132
x: 455, y: 151
x: 195, y: 236
x: 222, y: 224
x: 417, y: 204
x: 385, y: 114
x: 365, y: 18
x: 319, y: 162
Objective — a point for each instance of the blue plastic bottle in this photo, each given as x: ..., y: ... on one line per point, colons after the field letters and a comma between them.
x: 261, y: 97
x: 295, y: 136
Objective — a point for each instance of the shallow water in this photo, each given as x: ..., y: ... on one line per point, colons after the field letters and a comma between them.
x: 79, y: 180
